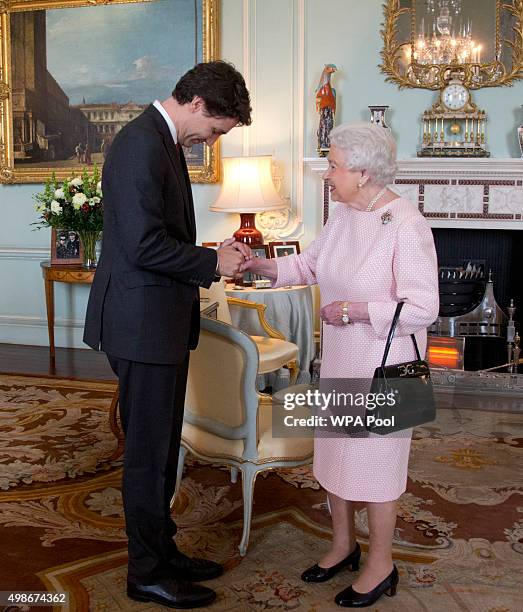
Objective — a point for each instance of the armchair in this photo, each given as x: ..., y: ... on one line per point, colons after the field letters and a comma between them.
x: 274, y: 349
x: 226, y: 419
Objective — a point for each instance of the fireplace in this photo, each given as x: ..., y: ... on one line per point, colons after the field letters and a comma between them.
x: 500, y: 251
x: 480, y: 278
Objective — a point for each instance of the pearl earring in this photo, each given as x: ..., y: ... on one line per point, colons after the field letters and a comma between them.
x: 360, y: 185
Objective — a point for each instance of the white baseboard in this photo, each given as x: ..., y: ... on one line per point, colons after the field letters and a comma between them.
x: 33, y: 330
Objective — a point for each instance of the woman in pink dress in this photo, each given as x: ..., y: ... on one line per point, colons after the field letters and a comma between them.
x: 375, y: 250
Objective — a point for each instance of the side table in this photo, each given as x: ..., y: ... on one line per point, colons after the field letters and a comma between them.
x: 60, y: 274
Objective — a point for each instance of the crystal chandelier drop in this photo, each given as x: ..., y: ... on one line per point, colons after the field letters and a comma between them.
x: 444, y: 36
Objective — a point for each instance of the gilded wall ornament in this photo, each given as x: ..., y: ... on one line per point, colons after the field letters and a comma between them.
x: 406, y: 36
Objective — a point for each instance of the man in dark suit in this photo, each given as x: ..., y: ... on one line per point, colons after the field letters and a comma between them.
x: 143, y: 311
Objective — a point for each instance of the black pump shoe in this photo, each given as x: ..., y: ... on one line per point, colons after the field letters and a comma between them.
x: 349, y: 598
x: 322, y: 574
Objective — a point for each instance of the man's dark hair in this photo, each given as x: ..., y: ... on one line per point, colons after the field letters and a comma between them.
x: 220, y: 86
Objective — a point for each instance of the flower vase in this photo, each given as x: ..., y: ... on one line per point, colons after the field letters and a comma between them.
x: 377, y: 115
x: 89, y: 240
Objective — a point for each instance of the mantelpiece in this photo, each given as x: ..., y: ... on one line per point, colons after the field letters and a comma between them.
x: 456, y: 193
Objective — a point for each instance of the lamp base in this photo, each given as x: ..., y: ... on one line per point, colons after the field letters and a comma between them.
x: 247, y: 233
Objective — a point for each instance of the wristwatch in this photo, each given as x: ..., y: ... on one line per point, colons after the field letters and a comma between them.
x: 345, y: 313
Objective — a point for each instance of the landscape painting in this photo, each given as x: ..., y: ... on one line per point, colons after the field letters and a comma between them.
x: 79, y: 74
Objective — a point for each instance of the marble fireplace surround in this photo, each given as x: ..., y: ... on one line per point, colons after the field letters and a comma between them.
x: 456, y: 193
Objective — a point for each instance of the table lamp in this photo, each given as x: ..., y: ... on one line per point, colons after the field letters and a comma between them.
x: 248, y: 189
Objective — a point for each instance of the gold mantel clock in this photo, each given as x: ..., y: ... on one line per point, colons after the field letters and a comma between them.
x: 454, y: 126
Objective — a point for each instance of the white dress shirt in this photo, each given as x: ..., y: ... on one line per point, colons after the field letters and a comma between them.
x: 168, y: 120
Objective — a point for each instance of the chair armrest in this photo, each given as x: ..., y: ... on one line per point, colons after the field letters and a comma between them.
x: 264, y: 403
x: 270, y: 331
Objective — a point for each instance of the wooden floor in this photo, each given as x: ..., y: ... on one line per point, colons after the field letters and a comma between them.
x: 70, y: 363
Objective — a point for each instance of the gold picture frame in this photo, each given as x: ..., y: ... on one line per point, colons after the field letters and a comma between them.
x: 399, y: 35
x: 32, y: 149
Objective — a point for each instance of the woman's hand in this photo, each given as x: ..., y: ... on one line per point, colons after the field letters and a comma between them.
x: 357, y: 311
x: 258, y: 265
x: 331, y: 314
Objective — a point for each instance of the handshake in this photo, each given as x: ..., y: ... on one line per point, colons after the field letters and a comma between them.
x: 234, y: 258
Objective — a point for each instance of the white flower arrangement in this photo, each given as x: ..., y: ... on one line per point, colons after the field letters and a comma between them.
x: 75, y: 204
x: 78, y: 200
x: 56, y: 208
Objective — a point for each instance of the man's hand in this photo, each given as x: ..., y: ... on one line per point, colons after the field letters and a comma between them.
x: 229, y: 261
x: 243, y: 248
x: 231, y: 256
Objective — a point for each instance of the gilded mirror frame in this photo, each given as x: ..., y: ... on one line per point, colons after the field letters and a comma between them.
x: 10, y: 173
x: 435, y: 76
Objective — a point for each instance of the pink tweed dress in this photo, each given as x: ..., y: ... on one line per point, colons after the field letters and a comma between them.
x: 360, y: 258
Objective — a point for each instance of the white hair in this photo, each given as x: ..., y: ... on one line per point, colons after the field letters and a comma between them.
x: 369, y: 147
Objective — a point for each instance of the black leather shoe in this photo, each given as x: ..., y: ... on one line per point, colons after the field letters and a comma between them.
x: 349, y: 598
x: 172, y: 593
x: 322, y: 574
x: 194, y: 569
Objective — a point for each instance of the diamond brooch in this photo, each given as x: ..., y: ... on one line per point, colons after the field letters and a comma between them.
x: 386, y: 217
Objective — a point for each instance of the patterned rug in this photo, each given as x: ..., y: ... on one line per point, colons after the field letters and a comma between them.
x: 458, y: 543
x: 51, y: 429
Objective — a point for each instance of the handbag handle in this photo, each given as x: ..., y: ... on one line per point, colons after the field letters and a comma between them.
x: 391, y: 335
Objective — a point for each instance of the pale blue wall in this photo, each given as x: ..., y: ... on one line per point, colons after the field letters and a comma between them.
x: 345, y: 32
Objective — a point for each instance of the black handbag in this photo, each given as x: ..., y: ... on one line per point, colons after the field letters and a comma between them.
x: 408, y: 390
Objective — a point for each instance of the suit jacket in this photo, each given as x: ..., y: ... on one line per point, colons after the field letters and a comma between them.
x: 144, y: 301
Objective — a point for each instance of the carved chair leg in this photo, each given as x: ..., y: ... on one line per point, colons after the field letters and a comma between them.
x: 115, y: 427
x: 294, y: 370
x: 249, y: 473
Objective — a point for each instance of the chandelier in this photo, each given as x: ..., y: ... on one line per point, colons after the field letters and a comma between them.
x: 444, y: 36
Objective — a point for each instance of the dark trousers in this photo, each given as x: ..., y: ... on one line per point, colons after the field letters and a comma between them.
x: 152, y: 400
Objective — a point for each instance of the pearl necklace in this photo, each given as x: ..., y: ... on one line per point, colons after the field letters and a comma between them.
x: 370, y: 206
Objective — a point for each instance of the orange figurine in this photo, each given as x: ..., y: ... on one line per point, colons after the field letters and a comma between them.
x: 326, y: 107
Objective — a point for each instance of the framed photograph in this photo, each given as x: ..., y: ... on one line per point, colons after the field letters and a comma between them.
x: 66, y: 247
x: 262, y: 251
x: 76, y: 72
x: 282, y: 249
x: 211, y: 245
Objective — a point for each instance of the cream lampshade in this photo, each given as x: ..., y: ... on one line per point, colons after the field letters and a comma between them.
x: 248, y: 189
